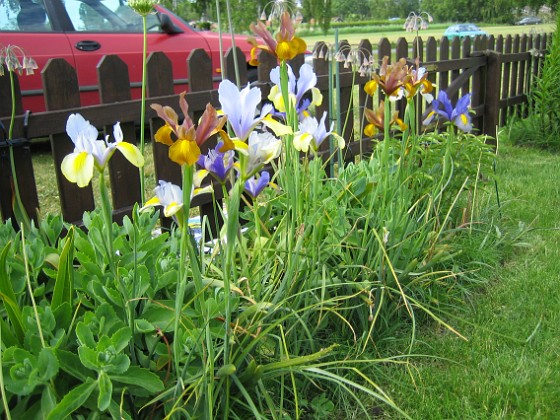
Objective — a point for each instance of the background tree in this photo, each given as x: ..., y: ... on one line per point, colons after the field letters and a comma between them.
x: 352, y: 10
x: 319, y: 12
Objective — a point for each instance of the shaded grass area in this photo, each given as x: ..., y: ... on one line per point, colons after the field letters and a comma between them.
x: 510, y: 365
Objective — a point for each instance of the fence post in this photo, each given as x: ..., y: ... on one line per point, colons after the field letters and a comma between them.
x: 159, y: 83
x: 492, y: 94
x: 61, y: 91
x: 22, y: 158
x: 114, y: 86
x: 199, y: 66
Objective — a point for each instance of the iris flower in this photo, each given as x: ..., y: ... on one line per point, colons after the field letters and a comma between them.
x: 170, y: 197
x: 391, y: 79
x: 458, y: 115
x: 184, y: 140
x: 255, y: 185
x: 312, y: 133
x: 376, y: 120
x: 89, y: 152
x: 296, y: 89
x: 240, y: 106
x: 286, y: 45
x: 260, y: 150
x: 418, y: 82
x: 217, y: 163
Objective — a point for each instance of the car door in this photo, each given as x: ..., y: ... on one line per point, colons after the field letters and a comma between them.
x: 102, y: 27
x: 31, y: 26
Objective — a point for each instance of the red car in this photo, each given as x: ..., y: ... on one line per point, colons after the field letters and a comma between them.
x: 83, y: 31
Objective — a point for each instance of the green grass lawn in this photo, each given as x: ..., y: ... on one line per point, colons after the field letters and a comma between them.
x: 510, y: 365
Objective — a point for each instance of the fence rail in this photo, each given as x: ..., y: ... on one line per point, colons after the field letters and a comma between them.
x: 497, y: 71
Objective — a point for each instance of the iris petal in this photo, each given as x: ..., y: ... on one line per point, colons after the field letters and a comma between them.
x: 78, y: 168
x: 184, y: 152
x: 131, y: 153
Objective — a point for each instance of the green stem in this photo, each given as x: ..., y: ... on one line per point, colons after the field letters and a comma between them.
x: 13, y: 97
x: 2, y: 388
x: 143, y: 105
x: 229, y: 271
x: 108, y: 217
x: 19, y: 209
x: 186, y: 247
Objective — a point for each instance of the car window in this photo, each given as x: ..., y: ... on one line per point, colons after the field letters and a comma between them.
x: 23, y: 15
x: 106, y: 16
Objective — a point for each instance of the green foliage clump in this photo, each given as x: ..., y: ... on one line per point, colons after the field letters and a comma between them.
x: 542, y: 127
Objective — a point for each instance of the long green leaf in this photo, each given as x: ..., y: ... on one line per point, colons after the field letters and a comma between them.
x: 140, y: 377
x: 8, y: 296
x: 73, y: 400
x: 64, y: 285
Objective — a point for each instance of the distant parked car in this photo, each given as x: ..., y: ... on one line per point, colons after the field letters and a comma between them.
x: 529, y: 20
x: 83, y: 31
x: 463, y: 30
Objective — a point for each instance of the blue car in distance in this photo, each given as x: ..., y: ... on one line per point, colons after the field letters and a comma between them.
x: 463, y: 30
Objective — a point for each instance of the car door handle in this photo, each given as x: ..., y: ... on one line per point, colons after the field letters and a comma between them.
x: 88, y: 45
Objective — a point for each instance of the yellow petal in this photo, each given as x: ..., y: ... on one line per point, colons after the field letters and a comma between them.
x: 278, y: 128
x: 163, y: 135
x: 302, y: 142
x: 184, y: 152
x: 317, y: 97
x: 198, y: 191
x: 241, y: 147
x: 370, y: 130
x: 199, y: 177
x: 340, y: 140
x: 78, y: 168
x: 274, y: 91
x: 371, y: 87
x: 131, y: 153
x: 171, y: 209
x: 284, y: 51
x: 228, y: 143
x: 154, y: 201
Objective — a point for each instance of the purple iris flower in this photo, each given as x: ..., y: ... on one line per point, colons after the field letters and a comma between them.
x: 217, y: 163
x: 459, y: 115
x: 254, y: 185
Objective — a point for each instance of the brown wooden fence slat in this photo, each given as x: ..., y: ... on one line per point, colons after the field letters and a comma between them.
x: 160, y: 82
x: 199, y: 66
x: 21, y: 154
x: 492, y: 93
x: 114, y: 83
x: 60, y: 84
x: 401, y: 49
x: 508, y: 44
x: 321, y: 65
x: 344, y: 103
x: 366, y: 53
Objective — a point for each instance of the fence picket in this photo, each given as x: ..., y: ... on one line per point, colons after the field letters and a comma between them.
x: 60, y: 83
x: 112, y: 73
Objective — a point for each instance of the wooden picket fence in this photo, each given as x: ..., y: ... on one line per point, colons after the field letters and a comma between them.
x: 497, y: 71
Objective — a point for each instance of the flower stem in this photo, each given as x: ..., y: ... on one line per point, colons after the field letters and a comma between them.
x: 108, y: 216
x: 19, y: 209
x: 143, y: 106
